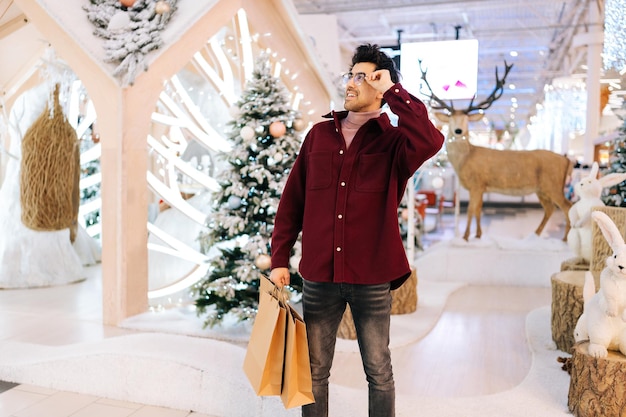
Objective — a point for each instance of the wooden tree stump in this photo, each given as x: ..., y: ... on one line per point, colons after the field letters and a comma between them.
x: 575, y: 264
x: 567, y: 306
x: 346, y: 327
x: 597, y: 385
x: 403, y: 301
x: 567, y: 285
x: 601, y: 248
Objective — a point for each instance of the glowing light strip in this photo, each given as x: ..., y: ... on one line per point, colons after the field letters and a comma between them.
x: 196, y: 114
x: 91, y: 154
x: 169, y: 251
x: 212, y: 75
x: 614, y: 34
x: 277, y: 69
x: 90, y: 181
x: 181, y: 285
x: 94, y: 229
x: 215, y: 142
x: 225, y: 68
x: 88, y: 119
x: 296, y: 100
x: 184, y: 167
x: 177, y: 137
x: 225, y: 85
x: 246, y: 44
x: 177, y: 247
x: 90, y: 206
x: 166, y: 120
x: 73, y: 111
x: 174, y: 146
x: 174, y: 199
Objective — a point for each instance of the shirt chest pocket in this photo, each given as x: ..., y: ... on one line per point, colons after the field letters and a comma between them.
x: 319, y: 170
x: 373, y: 173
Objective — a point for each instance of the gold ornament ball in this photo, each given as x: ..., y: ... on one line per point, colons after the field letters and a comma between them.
x: 162, y: 7
x: 263, y: 262
x: 127, y: 3
x: 277, y: 129
x: 405, y: 214
x: 299, y: 125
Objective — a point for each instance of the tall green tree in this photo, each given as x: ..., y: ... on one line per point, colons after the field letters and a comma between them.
x: 265, y: 139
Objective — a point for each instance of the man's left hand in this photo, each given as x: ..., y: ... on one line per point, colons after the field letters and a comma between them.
x: 380, y: 80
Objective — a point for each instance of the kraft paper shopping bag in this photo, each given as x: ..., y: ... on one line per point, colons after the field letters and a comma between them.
x: 263, y: 363
x: 297, y: 385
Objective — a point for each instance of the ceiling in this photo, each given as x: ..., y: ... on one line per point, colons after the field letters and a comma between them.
x: 541, y: 32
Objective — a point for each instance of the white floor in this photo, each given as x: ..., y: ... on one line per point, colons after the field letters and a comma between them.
x: 477, y: 347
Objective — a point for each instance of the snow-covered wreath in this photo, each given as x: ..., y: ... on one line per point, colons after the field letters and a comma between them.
x: 131, y: 29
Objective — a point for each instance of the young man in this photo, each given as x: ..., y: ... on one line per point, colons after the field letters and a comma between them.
x: 343, y: 194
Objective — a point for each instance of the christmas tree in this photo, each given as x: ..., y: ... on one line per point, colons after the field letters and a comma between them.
x: 616, y: 195
x: 131, y: 29
x: 265, y: 145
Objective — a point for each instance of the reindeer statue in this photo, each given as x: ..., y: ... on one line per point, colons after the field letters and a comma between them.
x: 481, y: 169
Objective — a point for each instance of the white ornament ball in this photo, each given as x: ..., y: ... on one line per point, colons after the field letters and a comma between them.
x: 234, y: 112
x: 162, y: 7
x: 263, y: 262
x: 247, y: 133
x: 260, y: 129
x: 299, y: 125
x: 277, y: 129
x: 119, y: 21
x: 437, y: 183
x: 234, y: 202
x: 278, y: 157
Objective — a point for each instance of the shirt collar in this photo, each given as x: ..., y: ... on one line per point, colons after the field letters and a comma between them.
x: 382, y: 120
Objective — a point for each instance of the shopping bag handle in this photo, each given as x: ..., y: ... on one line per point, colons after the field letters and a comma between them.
x: 277, y: 292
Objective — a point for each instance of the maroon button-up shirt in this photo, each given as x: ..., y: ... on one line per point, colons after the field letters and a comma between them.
x: 345, y: 201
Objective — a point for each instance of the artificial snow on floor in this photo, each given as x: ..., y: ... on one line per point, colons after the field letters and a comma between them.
x: 205, y: 375
x: 175, y: 362
x: 494, y: 260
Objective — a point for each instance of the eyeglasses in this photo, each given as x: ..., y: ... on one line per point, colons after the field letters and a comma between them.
x: 358, y: 78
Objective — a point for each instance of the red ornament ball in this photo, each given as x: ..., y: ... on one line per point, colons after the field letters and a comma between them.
x: 127, y: 3
x: 277, y: 129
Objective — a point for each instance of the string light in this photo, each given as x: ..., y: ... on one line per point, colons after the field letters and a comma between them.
x: 614, y: 55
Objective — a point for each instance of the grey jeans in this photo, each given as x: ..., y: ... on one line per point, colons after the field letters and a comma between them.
x: 323, y: 307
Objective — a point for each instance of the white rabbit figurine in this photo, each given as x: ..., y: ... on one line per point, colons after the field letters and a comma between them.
x: 589, y: 290
x: 604, y: 318
x: 589, y: 189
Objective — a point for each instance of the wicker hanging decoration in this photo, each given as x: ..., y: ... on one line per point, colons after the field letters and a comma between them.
x: 50, y: 173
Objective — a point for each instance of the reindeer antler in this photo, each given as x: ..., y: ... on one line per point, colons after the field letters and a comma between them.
x: 495, y: 94
x: 439, y: 104
x: 432, y: 97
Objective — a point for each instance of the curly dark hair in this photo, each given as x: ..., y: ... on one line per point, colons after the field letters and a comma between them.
x: 372, y: 53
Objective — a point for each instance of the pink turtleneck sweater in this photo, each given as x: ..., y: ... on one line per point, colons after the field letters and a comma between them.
x: 353, y: 122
